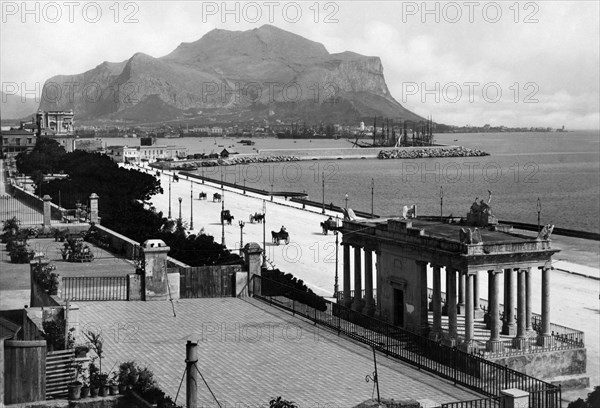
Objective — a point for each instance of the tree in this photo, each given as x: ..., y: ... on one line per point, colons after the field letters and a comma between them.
x: 592, y: 401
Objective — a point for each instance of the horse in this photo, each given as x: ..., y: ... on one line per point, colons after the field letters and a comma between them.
x: 258, y: 217
x: 280, y: 236
x: 202, y: 196
x: 216, y: 197
x: 226, y: 216
x: 329, y: 224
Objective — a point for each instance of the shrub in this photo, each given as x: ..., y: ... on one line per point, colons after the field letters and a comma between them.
x: 45, y: 278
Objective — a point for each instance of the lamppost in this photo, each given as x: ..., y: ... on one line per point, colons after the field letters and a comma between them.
x: 323, y: 204
x: 372, y: 194
x: 244, y: 185
x: 221, y: 177
x: 180, y: 199
x: 222, y: 221
x: 346, y: 198
x: 170, y: 195
x: 241, y: 223
x: 336, y: 287
x: 264, y: 265
x: 539, y: 210
x: 202, y: 167
x: 441, y: 202
x: 271, y: 191
x: 191, y: 205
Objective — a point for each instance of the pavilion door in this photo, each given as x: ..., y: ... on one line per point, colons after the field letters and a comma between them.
x: 399, y: 307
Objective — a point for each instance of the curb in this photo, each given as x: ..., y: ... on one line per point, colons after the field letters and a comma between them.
x: 578, y: 274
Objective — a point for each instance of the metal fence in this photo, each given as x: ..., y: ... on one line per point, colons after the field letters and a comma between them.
x: 95, y: 288
x: 473, y: 372
x: 11, y: 207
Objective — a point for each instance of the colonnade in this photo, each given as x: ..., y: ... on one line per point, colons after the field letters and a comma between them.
x: 356, y: 302
x: 468, y: 301
x: 462, y: 297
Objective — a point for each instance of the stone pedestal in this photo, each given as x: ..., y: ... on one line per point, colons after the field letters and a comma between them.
x: 47, y: 211
x: 155, y: 270
x: 94, y: 219
x: 252, y: 257
x: 515, y: 398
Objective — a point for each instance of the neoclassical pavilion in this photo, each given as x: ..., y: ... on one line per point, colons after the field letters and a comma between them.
x: 405, y: 247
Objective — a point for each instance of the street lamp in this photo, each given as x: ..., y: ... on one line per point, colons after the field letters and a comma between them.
x: 191, y: 205
x: 271, y: 191
x: 323, y: 204
x: 264, y: 265
x: 441, y: 202
x: 335, y: 284
x: 180, y: 199
x: 372, y: 194
x: 241, y: 223
x: 170, y: 195
x: 539, y: 210
x: 244, y: 185
x: 346, y: 198
x: 222, y: 220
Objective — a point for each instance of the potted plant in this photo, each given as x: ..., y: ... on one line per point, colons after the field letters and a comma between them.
x: 103, y: 382
x: 113, y: 386
x: 94, y: 379
x: 74, y: 387
x: 85, y: 388
x: 81, y: 350
x: 127, y: 376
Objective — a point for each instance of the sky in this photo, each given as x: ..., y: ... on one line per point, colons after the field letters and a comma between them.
x: 463, y: 63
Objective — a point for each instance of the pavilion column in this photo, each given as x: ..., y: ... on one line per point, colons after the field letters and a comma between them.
x: 437, y: 303
x: 369, y: 302
x: 451, y: 302
x: 357, y: 305
x: 477, y: 312
x: 468, y: 311
x: 487, y: 316
x: 445, y: 305
x: 346, y: 301
x: 520, y: 341
x: 461, y: 293
x: 509, y: 326
x: 377, y: 284
x: 545, y: 337
x: 424, y: 314
x: 494, y: 344
x: 528, y: 298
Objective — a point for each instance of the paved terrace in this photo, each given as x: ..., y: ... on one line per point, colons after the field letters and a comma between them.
x: 250, y: 352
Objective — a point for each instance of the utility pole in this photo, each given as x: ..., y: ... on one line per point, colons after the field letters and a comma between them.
x: 372, y: 194
x: 191, y: 383
x: 539, y: 210
x: 264, y: 265
x: 241, y: 223
x: 170, y: 195
x: 222, y: 221
x: 323, y: 203
x: 441, y: 202
x: 191, y: 205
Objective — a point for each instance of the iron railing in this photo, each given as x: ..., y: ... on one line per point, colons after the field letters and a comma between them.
x: 468, y: 370
x: 26, y: 214
x: 95, y: 288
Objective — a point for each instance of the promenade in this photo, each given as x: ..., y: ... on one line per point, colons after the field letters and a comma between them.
x: 311, y: 256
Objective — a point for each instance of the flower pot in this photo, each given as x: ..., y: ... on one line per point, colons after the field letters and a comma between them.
x: 113, y: 389
x: 85, y: 392
x: 94, y: 391
x: 103, y: 391
x: 74, y: 391
x: 122, y: 389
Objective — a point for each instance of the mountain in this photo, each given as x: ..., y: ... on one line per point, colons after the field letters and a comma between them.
x: 259, y: 73
x: 15, y: 107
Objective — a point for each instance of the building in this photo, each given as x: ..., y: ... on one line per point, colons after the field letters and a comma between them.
x: 15, y: 141
x: 137, y: 154
x: 55, y: 123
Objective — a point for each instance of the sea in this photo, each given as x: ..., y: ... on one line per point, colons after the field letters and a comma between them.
x: 555, y: 175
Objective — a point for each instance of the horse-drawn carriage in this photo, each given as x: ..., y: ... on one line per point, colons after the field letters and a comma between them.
x: 282, y: 235
x: 226, y: 216
x: 329, y: 225
x: 258, y: 217
x: 202, y: 196
x: 175, y: 178
x: 217, y: 197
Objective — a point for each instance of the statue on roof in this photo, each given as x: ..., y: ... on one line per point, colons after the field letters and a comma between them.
x: 480, y: 213
x: 546, y: 232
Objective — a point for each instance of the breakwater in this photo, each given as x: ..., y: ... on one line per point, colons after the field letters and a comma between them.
x: 230, y: 161
x: 421, y: 153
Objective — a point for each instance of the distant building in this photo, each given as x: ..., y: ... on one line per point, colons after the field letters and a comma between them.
x: 137, y: 154
x: 15, y: 141
x: 55, y: 123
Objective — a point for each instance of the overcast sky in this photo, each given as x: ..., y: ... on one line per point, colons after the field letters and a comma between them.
x: 464, y: 63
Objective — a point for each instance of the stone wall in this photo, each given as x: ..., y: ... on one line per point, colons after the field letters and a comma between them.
x: 120, y: 244
x: 548, y: 364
